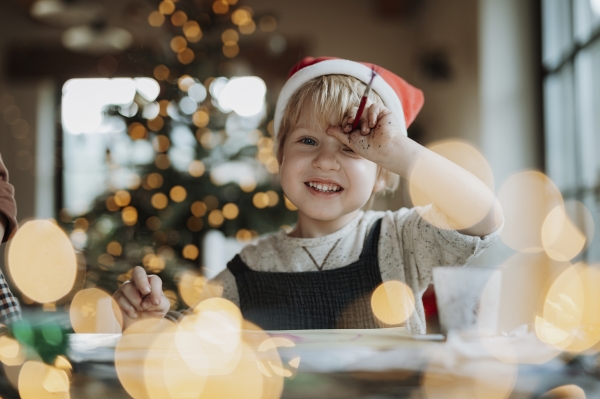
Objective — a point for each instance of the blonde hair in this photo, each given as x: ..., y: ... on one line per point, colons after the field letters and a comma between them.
x: 328, y: 99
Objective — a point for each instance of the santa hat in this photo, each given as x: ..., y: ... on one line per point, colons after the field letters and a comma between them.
x: 404, y: 100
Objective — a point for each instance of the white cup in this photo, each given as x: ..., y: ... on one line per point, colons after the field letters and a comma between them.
x: 467, y: 297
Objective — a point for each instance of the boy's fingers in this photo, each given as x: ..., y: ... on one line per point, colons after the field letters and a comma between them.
x: 336, y: 131
x: 364, y: 126
x: 372, y: 115
x: 140, y: 279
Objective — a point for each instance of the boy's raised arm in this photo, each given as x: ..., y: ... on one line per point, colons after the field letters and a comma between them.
x: 461, y: 196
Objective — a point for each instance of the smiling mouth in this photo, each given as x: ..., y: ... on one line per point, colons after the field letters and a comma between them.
x: 324, y: 188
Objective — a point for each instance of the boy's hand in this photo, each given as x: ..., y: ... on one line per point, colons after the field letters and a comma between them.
x: 141, y: 297
x: 372, y: 139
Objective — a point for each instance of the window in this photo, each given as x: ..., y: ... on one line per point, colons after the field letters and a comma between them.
x: 571, y: 62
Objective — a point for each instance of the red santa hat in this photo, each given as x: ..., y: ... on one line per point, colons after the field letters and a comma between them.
x: 404, y: 100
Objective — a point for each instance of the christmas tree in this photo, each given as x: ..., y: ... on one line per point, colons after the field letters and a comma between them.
x: 223, y: 177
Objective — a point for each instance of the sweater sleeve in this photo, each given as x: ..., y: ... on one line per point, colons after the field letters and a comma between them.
x: 8, y: 206
x: 426, y: 246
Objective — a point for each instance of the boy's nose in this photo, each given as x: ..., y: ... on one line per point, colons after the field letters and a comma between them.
x: 326, y: 159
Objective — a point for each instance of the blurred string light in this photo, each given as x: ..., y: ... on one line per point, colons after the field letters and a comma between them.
x: 84, y: 100
x: 192, y: 31
x: 244, y: 95
x: 42, y: 261
x: 268, y: 23
x: 96, y: 39
x: 63, y: 13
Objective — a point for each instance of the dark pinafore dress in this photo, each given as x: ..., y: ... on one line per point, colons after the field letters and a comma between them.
x: 336, y: 298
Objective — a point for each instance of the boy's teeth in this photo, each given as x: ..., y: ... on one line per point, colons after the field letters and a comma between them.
x: 324, y: 187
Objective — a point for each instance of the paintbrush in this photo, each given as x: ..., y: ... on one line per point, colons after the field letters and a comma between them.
x: 363, y: 101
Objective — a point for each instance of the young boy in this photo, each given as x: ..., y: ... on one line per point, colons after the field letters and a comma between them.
x: 9, y: 306
x: 322, y: 273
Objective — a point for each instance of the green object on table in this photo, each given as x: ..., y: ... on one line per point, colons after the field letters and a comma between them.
x: 48, y: 339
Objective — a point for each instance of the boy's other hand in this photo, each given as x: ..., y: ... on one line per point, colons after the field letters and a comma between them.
x: 141, y: 297
x: 376, y: 132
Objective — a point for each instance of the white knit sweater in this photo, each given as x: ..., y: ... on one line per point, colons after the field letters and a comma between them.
x: 409, y: 248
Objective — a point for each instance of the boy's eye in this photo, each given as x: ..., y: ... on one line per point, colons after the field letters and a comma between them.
x: 348, y: 149
x: 308, y: 141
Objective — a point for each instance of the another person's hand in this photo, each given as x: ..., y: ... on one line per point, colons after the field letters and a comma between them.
x: 141, y: 297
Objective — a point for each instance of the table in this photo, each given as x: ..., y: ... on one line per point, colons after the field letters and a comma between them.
x: 378, y: 364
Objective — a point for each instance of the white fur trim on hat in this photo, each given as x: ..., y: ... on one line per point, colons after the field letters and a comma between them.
x: 338, y: 67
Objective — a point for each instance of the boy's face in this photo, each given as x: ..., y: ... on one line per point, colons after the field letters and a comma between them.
x: 322, y: 176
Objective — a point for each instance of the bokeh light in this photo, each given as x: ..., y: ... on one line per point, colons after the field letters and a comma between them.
x: 424, y: 190
x: 248, y: 28
x: 192, y: 31
x: 129, y: 216
x: 198, y: 208
x: 11, y: 351
x: 215, y: 218
x: 220, y: 7
x: 159, y: 201
x: 230, y: 211
x: 267, y: 23
x: 243, y: 235
x: 565, y: 391
x: 190, y: 252
x: 178, y: 193
x: 166, y: 7
x: 231, y: 50
x: 260, y: 200
x: 244, y: 95
x: 122, y: 198
x: 230, y: 36
x: 161, y: 72
x: 241, y: 16
x: 94, y: 311
x: 200, y: 118
x: 41, y: 381
x: 526, y: 279
x: 194, y: 224
x: 179, y: 18
x: 178, y: 44
x: 289, y: 205
x: 42, y: 261
x: 571, y: 310
x: 393, y: 302
x: 527, y: 198
x: 562, y: 238
x: 191, y: 285
x: 131, y: 352
x: 156, y: 19
x: 148, y: 88
x: 114, y: 248
x: 186, y: 56
x: 196, y: 168
x: 153, y: 180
